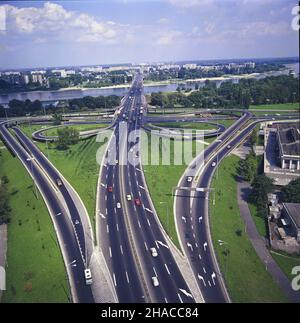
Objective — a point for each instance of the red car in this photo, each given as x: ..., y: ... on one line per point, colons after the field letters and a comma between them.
x: 110, y: 189
x: 137, y: 202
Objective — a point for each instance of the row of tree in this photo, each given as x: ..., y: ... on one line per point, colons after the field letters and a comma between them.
x: 18, y: 108
x: 4, y: 201
x: 188, y: 73
x: 280, y: 89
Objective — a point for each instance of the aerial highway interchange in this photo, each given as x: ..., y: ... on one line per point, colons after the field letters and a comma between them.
x: 138, y: 253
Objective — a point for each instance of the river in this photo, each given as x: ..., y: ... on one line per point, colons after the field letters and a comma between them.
x: 53, y: 96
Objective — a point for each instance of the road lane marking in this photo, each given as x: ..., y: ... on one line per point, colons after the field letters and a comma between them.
x: 146, y: 247
x: 162, y: 244
x: 139, y: 224
x: 200, y: 257
x: 181, y: 301
x: 148, y: 222
x: 155, y: 272
x: 186, y: 293
x: 110, y: 253
x: 209, y: 283
x: 127, y: 277
x: 213, y: 276
x: 189, y: 245
x: 117, y: 227
x: 115, y: 282
x: 107, y: 228
x: 204, y: 270
x: 167, y: 269
x: 121, y: 248
x: 202, y: 279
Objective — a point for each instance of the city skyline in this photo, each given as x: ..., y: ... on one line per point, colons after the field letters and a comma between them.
x: 70, y: 33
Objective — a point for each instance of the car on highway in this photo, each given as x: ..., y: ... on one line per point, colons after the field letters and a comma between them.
x: 116, y: 161
x: 110, y: 189
x: 128, y: 197
x: 213, y: 164
x: 154, y: 252
x: 189, y: 179
x: 59, y: 182
x: 88, y: 276
x: 118, y: 205
x: 155, y: 281
x: 137, y: 202
x: 228, y: 146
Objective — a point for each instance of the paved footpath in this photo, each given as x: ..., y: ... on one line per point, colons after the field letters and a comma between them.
x: 259, y: 244
x: 3, y: 247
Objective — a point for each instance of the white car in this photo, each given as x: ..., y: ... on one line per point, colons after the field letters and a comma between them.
x: 117, y: 162
x: 213, y: 164
x: 155, y: 281
x: 189, y: 179
x: 118, y: 205
x: 88, y: 276
x: 228, y: 146
x: 129, y: 198
x: 154, y: 252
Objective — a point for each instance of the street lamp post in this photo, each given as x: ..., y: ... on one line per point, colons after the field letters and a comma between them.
x: 31, y: 165
x: 168, y: 220
x: 227, y: 253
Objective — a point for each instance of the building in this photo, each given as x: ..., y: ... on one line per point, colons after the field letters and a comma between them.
x: 282, y: 151
x: 289, y: 145
x: 291, y: 218
x: 37, y: 78
x: 61, y: 72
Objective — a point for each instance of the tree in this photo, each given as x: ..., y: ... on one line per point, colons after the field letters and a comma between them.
x: 67, y: 136
x: 248, y: 167
x: 253, y: 137
x: 4, y: 201
x: 56, y: 119
x: 261, y: 187
x: 291, y: 192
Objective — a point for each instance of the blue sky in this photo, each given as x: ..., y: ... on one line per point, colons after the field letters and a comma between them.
x: 54, y: 33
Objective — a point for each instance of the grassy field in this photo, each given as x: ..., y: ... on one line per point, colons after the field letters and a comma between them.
x: 245, y: 275
x: 284, y: 106
x: 286, y: 263
x: 195, y: 125
x: 160, y: 181
x: 79, y: 166
x: 186, y: 125
x: 260, y: 223
x: 35, y: 270
x: 82, y: 127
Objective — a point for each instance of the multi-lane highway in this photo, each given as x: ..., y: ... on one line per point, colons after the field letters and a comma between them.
x: 138, y: 256
x: 72, y: 249
x: 129, y: 227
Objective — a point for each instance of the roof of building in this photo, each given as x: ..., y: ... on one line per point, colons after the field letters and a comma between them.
x: 289, y: 138
x: 293, y: 210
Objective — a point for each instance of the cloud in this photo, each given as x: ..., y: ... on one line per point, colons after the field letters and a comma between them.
x: 169, y: 37
x: 52, y: 21
x: 191, y: 3
x: 163, y: 21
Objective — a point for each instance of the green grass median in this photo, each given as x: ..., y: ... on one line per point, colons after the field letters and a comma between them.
x: 245, y: 275
x: 35, y: 271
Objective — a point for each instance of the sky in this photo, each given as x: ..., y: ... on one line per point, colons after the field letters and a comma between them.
x: 66, y: 33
